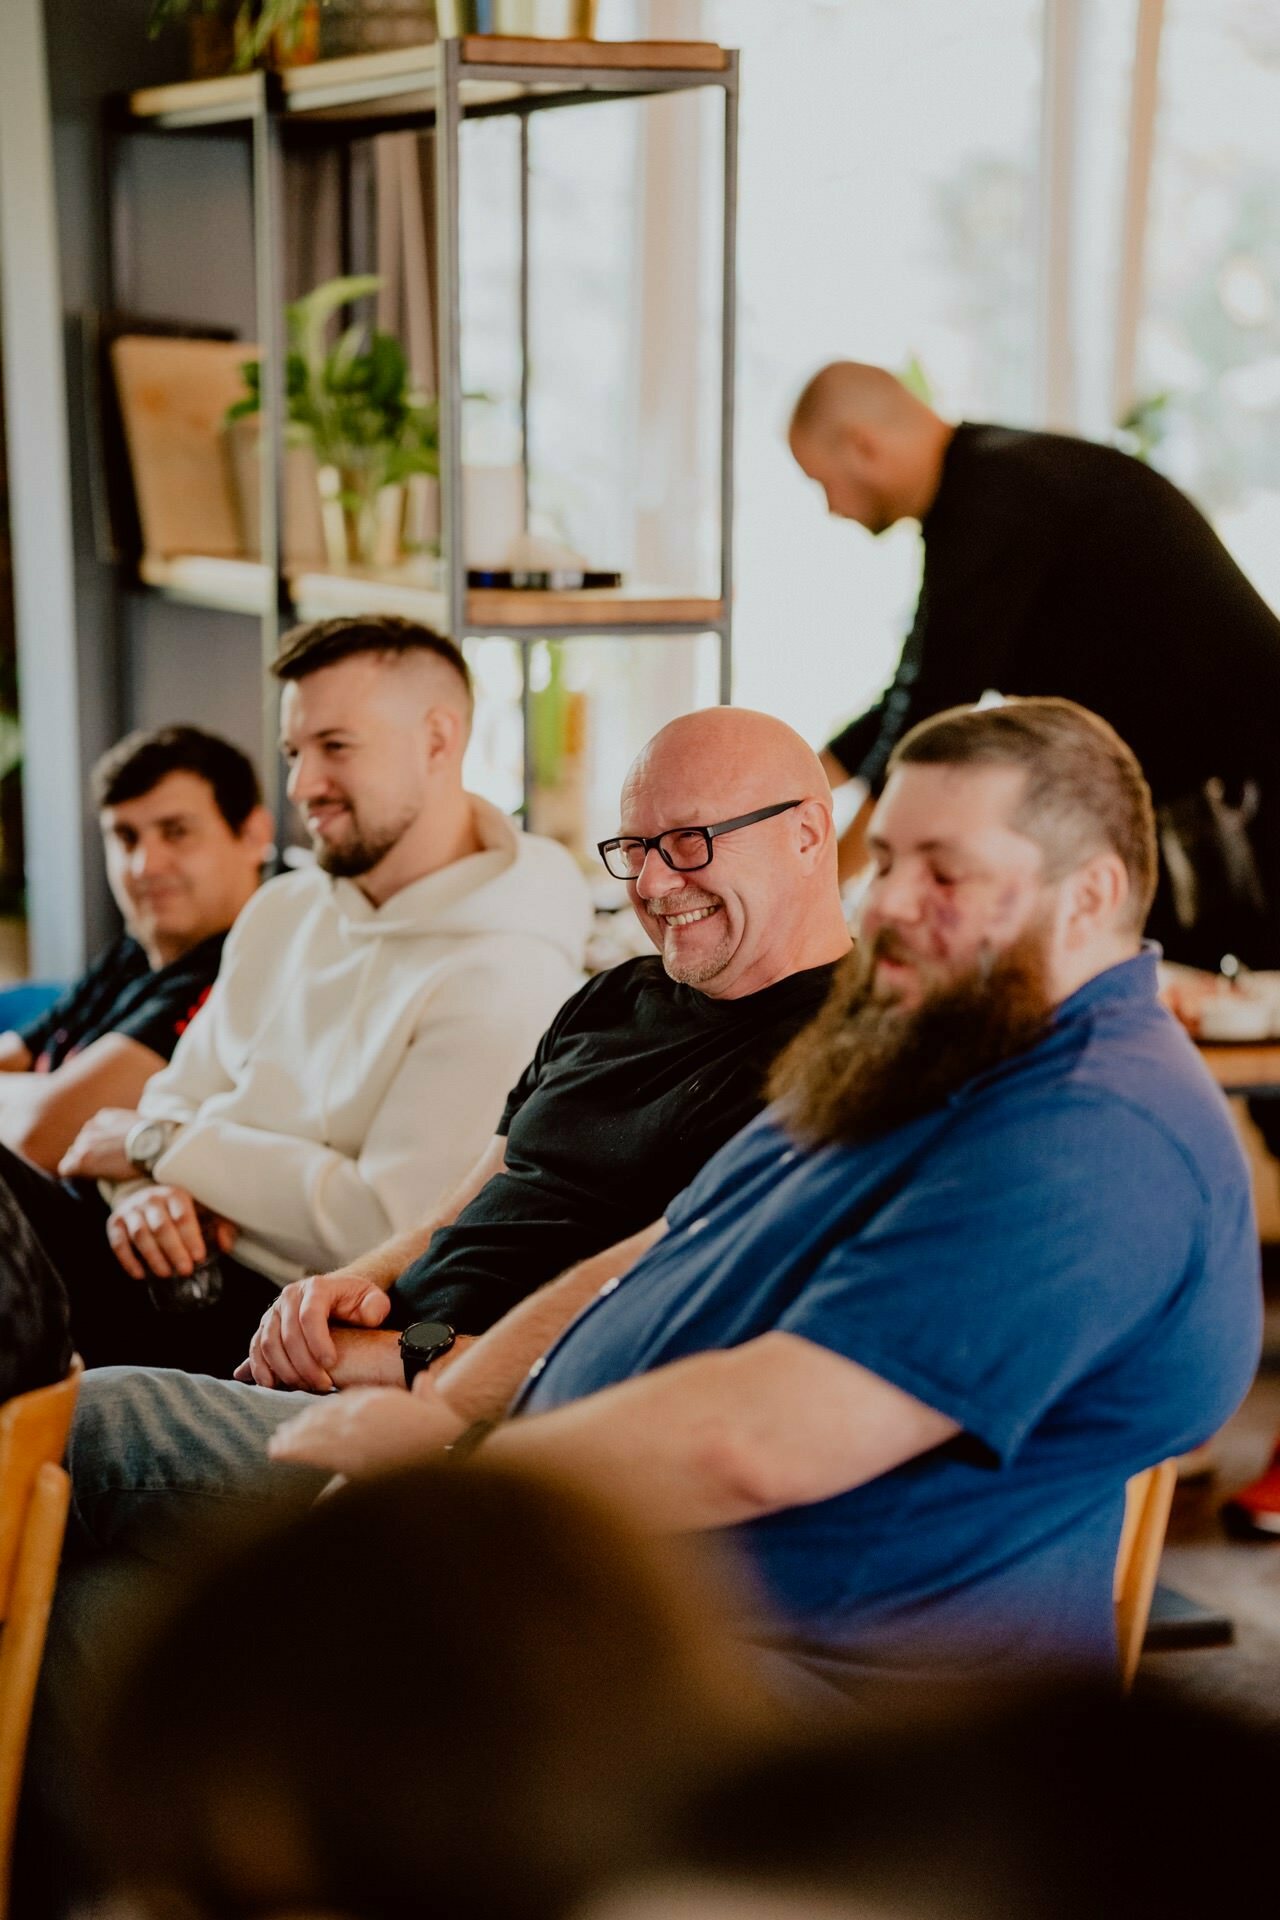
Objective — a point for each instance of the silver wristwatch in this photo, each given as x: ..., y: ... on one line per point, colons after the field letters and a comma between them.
x: 146, y: 1140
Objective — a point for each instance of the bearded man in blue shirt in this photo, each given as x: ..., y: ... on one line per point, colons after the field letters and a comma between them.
x: 990, y: 1252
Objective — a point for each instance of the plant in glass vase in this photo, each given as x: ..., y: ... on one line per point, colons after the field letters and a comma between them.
x: 354, y: 404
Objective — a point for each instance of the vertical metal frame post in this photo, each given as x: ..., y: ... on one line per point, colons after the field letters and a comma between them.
x: 448, y: 280
x: 268, y: 241
x: 728, y: 371
x: 1144, y: 98
x: 524, y: 311
x: 526, y: 646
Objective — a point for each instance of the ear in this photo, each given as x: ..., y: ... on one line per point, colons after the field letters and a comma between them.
x: 258, y: 834
x: 813, y: 830
x: 1094, y: 898
x: 860, y: 441
x: 446, y: 735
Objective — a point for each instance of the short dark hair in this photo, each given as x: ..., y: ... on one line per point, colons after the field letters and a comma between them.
x: 1084, y: 788
x: 322, y: 643
x: 141, y: 761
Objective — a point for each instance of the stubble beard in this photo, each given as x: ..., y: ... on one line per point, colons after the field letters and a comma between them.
x: 868, y: 1064
x: 695, y: 973
x: 365, y: 848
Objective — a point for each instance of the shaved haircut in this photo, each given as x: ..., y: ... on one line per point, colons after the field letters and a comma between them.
x: 323, y: 643
x: 851, y: 391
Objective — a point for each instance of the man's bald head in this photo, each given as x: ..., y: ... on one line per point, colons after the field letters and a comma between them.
x: 869, y: 442
x: 730, y: 757
x: 767, y: 903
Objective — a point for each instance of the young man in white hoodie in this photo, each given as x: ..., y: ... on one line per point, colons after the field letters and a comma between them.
x: 369, y: 1016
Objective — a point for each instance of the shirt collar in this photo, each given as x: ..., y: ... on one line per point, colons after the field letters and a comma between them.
x: 1129, y: 980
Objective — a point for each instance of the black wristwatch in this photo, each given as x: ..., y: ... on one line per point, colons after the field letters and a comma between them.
x: 422, y: 1343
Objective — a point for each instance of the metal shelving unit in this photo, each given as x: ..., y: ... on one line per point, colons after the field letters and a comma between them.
x: 437, y: 87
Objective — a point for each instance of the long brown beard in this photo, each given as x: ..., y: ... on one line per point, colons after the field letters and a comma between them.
x: 866, y: 1064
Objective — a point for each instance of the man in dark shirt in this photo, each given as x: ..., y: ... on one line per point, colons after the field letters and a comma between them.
x: 641, y: 1076
x: 185, y: 836
x: 1053, y: 566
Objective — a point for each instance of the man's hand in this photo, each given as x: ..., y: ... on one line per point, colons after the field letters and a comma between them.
x: 157, y: 1230
x: 294, y: 1346
x: 367, y: 1430
x: 97, y: 1152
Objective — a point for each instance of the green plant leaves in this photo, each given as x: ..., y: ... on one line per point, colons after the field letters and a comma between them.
x: 351, y: 401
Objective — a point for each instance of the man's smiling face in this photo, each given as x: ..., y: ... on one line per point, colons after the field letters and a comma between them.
x: 714, y: 926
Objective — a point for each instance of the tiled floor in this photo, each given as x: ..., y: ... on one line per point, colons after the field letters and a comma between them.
x: 1234, y: 1577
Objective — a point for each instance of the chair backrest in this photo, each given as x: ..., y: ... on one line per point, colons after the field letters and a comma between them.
x: 1147, y: 1499
x: 33, y: 1430
x: 34, y: 1494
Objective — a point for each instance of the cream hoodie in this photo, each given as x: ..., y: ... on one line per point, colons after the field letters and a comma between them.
x: 352, y: 1062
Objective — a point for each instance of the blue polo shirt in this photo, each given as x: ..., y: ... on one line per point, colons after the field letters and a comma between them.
x: 1062, y: 1259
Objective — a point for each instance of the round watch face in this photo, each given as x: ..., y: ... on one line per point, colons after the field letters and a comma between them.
x: 426, y: 1336
x: 147, y: 1144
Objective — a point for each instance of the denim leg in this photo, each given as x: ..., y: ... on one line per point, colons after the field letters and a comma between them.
x: 156, y: 1455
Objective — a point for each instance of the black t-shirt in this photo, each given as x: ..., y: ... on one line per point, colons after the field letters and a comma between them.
x: 635, y: 1084
x: 1054, y: 566
x: 120, y: 994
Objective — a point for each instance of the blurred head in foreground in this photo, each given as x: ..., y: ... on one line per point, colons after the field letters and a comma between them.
x: 453, y: 1692
x: 1048, y: 1806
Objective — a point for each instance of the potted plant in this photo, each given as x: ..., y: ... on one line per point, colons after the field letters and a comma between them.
x: 235, y: 34
x: 353, y: 403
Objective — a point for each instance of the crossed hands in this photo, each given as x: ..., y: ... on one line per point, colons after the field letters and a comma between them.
x: 372, y: 1424
x: 326, y: 1332
x: 159, y: 1231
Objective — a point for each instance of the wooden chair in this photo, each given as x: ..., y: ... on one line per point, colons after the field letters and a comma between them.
x: 34, y: 1494
x: 1147, y: 1499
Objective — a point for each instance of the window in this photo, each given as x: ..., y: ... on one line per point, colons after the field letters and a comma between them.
x: 1210, y: 337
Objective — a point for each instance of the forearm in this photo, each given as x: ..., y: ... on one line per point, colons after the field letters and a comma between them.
x: 41, y: 1114
x: 21, y: 1115
x: 725, y: 1437
x: 663, y: 1446
x: 383, y: 1265
x: 483, y: 1382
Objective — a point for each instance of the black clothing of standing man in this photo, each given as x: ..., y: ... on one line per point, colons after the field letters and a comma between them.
x: 1055, y: 566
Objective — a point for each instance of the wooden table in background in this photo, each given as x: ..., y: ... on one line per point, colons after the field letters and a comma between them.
x: 1251, y: 1070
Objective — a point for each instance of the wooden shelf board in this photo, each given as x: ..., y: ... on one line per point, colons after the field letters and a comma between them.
x: 644, y: 56
x: 407, y: 75
x: 205, y: 580
x: 243, y: 586
x: 615, y: 607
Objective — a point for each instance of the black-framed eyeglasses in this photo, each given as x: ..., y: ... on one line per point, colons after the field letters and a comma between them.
x: 684, y: 849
